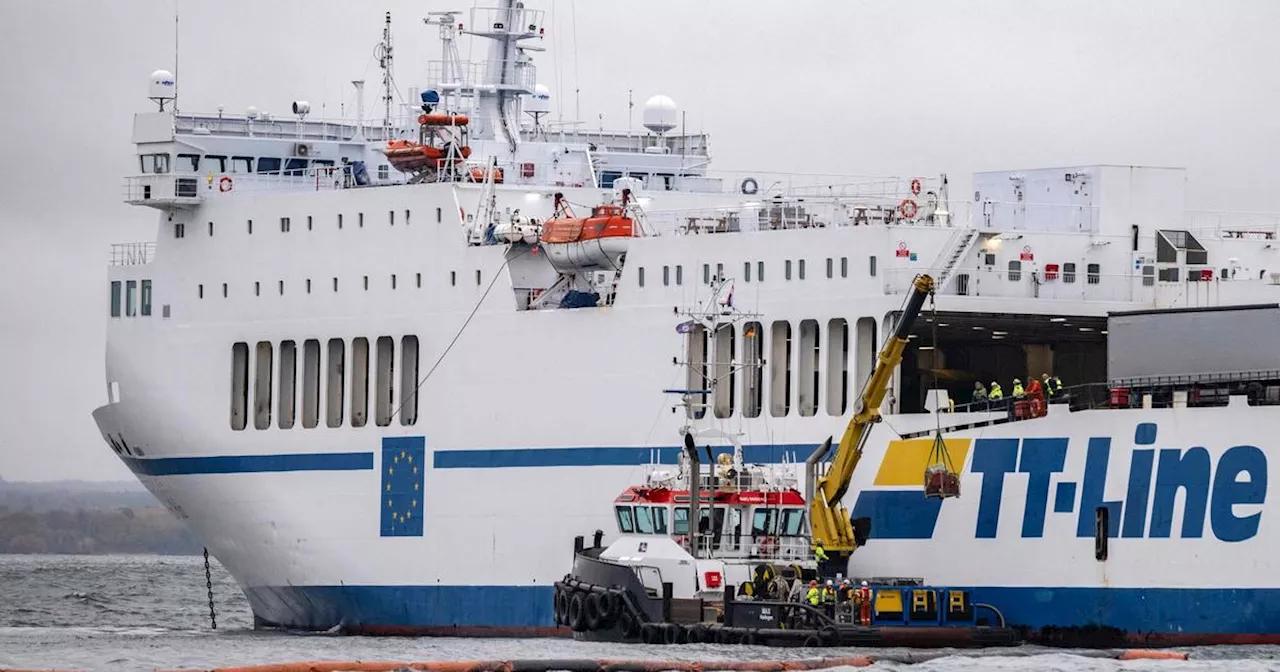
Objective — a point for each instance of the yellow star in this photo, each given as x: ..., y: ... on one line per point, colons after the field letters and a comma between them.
x: 388, y: 503
x: 415, y: 486
x: 397, y: 459
x: 408, y: 515
x: 388, y: 487
x: 390, y: 471
x: 415, y: 470
x: 402, y: 454
x: 410, y: 459
x: 414, y: 504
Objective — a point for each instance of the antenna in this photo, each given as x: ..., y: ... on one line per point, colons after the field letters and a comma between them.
x: 631, y: 104
x: 384, y: 62
x: 175, y: 58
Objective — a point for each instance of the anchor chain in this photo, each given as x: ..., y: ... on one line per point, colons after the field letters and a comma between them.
x: 208, y: 582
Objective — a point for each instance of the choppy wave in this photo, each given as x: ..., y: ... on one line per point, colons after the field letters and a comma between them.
x: 137, y: 613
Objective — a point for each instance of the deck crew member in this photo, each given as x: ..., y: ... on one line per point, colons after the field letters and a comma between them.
x: 1017, y: 388
x: 814, y: 596
x: 979, y: 392
x: 996, y: 393
x: 864, y: 604
x: 820, y: 556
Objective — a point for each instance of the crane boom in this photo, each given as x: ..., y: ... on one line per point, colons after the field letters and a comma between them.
x: 828, y: 517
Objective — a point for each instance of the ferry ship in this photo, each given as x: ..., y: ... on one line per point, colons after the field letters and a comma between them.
x: 388, y: 370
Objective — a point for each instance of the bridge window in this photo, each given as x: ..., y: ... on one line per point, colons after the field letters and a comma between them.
x: 759, y: 271
x: 680, y: 520
x: 786, y: 270
x: 873, y: 265
x: 288, y: 384
x: 746, y: 271
x: 241, y: 164
x: 800, y: 269
x: 844, y: 267
x: 359, y: 381
x: 333, y: 403
x: 830, y: 267
x: 792, y: 522
x: 154, y: 163
x: 626, y: 520
x: 666, y: 276
x: 262, y: 385
x: 269, y: 165
x: 651, y: 520
x: 1015, y: 270
x: 752, y: 369
x: 607, y: 178
x: 697, y: 380
x: 1069, y: 272
x: 115, y: 297
x: 764, y: 523
x: 780, y: 370
x: 1094, y: 272
x: 130, y: 298
x: 239, y: 385
x: 216, y: 163
x: 295, y: 167
x: 188, y: 163
x: 310, y: 383
x: 146, y: 298
x: 409, y: 381
x: 384, y: 381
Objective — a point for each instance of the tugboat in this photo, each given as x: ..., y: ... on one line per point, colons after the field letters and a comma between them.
x: 745, y: 572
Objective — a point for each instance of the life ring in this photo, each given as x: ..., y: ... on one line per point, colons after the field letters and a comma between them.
x: 225, y: 184
x: 915, y: 186
x: 750, y: 186
x: 908, y: 209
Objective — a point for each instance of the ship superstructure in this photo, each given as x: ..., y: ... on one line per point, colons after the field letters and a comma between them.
x: 386, y: 399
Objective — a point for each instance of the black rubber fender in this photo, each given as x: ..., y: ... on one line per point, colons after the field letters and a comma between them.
x: 724, y: 636
x: 629, y: 625
x: 751, y: 638
x: 671, y: 633
x: 591, y: 611
x: 561, y: 607
x: 696, y: 634
x: 576, y: 612
x: 830, y: 635
x: 812, y: 642
x: 610, y: 605
x: 651, y: 633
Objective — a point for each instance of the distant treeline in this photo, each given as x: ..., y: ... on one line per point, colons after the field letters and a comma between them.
x: 78, y: 517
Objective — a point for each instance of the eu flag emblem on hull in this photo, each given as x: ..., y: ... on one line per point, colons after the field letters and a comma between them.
x: 403, y: 478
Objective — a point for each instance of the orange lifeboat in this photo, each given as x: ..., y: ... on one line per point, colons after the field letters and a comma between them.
x: 587, y: 242
x: 409, y: 156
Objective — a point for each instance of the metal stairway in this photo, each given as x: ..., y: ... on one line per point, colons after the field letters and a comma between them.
x: 960, y: 243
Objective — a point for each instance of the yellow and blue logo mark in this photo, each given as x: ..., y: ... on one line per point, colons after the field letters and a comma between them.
x: 896, y: 504
x: 403, y: 479
x: 1222, y: 493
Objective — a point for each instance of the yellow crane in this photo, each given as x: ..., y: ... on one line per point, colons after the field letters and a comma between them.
x: 831, y: 526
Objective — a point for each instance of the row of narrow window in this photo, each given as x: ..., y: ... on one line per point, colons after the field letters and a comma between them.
x: 130, y: 298
x: 276, y: 386
x: 1093, y: 272
x: 286, y: 223
x: 798, y: 372
x: 787, y: 267
x: 307, y: 284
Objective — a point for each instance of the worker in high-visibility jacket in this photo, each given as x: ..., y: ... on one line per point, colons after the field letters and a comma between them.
x: 814, y: 596
x: 1017, y: 388
x: 996, y: 393
x: 820, y: 556
x: 864, y: 604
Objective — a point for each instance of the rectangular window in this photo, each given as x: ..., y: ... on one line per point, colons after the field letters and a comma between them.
x: 844, y: 267
x: 262, y: 385
x: 366, y: 283
x: 746, y: 271
x: 308, y: 285
x: 335, y: 284
x: 116, y: 297
x: 146, y: 298
x: 807, y: 385
x: 224, y: 290
x: 1015, y: 270
x: 417, y: 278
x: 706, y: 274
x: 393, y: 281
x: 759, y: 271
x: 280, y: 287
x: 1069, y: 272
x: 339, y: 220
x: 384, y: 381
x: 391, y: 217
x: 453, y: 278
x: 241, y: 164
x: 477, y: 277
x: 872, y: 267
x: 130, y: 298
x: 697, y: 380
x: 250, y: 227
x: 210, y: 228
x: 406, y: 218
x: 679, y: 275
x: 200, y: 291
x: 830, y: 268
x: 360, y: 220
x: 1094, y: 274
x: 288, y: 384
x: 666, y: 276
x: 786, y: 270
x: 639, y: 275
x: 257, y: 288
x: 720, y: 271
x: 780, y: 369
x: 837, y: 366
x: 188, y: 163
x: 723, y: 371
x: 239, y: 385
x: 310, y: 383
x: 800, y: 268
x: 284, y: 224
x: 180, y: 230
x: 359, y: 381
x: 336, y: 358
x: 439, y: 215
x: 295, y: 167
x: 409, y: 381
x: 752, y: 369
x: 308, y: 222
x: 269, y: 165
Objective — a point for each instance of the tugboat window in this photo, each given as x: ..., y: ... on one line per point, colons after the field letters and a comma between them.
x: 626, y: 524
x: 644, y: 520
x: 680, y: 520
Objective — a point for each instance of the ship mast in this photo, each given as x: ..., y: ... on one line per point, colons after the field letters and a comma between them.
x: 385, y: 59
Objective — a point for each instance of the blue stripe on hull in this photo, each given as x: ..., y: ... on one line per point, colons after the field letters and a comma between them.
x: 1173, y: 612
x: 249, y: 464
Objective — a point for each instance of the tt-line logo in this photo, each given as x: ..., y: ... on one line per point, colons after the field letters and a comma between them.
x: 1211, y: 492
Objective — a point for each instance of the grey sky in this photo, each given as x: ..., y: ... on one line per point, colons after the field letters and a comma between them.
x: 840, y: 86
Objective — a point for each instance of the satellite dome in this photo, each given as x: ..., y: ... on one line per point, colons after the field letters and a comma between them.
x: 660, y: 114
x: 538, y: 102
x: 161, y: 85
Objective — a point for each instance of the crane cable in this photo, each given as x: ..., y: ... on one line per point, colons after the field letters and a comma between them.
x: 939, y: 450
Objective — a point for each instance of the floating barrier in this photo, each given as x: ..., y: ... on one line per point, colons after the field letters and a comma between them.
x: 610, y: 665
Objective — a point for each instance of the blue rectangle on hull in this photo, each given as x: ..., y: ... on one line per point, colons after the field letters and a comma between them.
x: 401, y: 494
x: 249, y: 464
x: 502, y: 458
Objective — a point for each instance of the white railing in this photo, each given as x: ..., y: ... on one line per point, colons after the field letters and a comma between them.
x: 522, y: 75
x: 132, y: 254
x: 1234, y: 225
x: 773, y: 548
x: 305, y: 130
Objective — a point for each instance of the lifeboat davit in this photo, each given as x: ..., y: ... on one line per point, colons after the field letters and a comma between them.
x: 408, y: 156
x: 588, y: 242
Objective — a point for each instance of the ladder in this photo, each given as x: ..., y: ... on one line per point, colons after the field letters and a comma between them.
x: 960, y: 243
